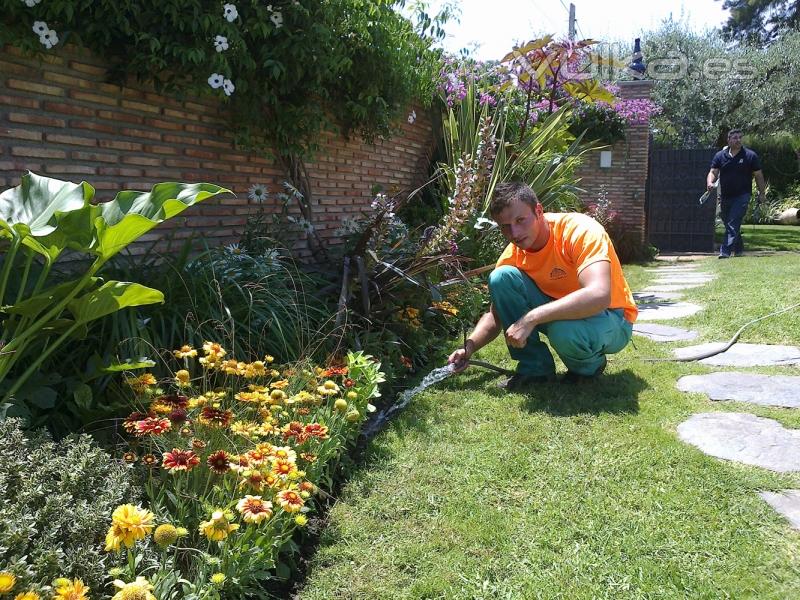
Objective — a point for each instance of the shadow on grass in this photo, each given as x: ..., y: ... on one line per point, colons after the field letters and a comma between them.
x: 615, y: 393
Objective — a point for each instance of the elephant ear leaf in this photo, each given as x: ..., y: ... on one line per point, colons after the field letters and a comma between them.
x: 32, y: 208
x: 111, y: 297
x: 132, y: 214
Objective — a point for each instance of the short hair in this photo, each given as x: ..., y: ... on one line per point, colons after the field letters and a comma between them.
x: 732, y: 131
x: 505, y: 193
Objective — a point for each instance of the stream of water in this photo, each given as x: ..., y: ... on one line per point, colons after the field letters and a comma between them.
x: 379, y: 421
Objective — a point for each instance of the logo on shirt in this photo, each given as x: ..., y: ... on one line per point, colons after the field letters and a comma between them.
x: 557, y: 273
x: 741, y: 161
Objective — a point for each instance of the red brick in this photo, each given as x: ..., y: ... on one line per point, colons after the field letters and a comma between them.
x: 71, y: 169
x: 58, y: 138
x: 141, y: 106
x: 194, y: 153
x: 119, y: 172
x: 37, y: 152
x: 95, y: 157
x: 33, y: 119
x: 11, y: 68
x: 36, y: 88
x: 21, y: 134
x: 161, y: 124
x: 68, y: 109
x: 140, y: 133
x: 92, y: 126
x: 180, y: 114
x: 141, y: 160
x: 69, y: 81
x: 94, y: 98
x: 119, y: 145
x: 151, y: 149
x: 120, y: 116
x: 18, y: 102
x: 176, y: 162
x: 86, y: 68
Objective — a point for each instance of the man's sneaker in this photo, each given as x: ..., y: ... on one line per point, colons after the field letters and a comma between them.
x: 571, y: 377
x: 521, y: 382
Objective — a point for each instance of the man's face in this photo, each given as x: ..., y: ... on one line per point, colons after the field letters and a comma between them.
x: 522, y: 225
x: 734, y: 140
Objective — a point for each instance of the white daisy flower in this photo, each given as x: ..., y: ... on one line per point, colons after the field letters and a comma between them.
x: 257, y: 192
x: 221, y: 43
x: 228, y: 87
x: 31, y: 3
x: 269, y: 7
x: 230, y: 12
x: 277, y: 18
x: 40, y: 27
x: 412, y: 117
x: 216, y: 80
x: 49, y: 39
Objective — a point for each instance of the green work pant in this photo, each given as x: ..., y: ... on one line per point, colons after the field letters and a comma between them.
x: 581, y: 343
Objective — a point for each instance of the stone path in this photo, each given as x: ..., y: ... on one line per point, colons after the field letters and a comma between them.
x: 740, y: 437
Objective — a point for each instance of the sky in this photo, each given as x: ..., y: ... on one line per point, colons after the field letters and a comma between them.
x: 496, y: 24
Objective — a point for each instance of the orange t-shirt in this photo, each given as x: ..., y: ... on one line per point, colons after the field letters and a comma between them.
x: 576, y: 241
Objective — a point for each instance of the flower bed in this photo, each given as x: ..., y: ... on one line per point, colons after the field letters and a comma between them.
x: 232, y: 456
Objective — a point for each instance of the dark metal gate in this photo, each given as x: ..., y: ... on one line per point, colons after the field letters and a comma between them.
x: 676, y: 179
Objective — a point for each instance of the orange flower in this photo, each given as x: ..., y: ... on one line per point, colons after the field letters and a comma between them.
x: 254, y: 509
x: 152, y: 426
x: 290, y: 500
x: 215, y: 417
x: 180, y: 460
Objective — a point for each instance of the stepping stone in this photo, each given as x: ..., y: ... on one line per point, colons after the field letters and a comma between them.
x: 663, y: 333
x: 787, y: 503
x: 645, y: 297
x: 663, y: 311
x: 744, y: 438
x: 766, y: 390
x: 743, y: 355
x: 688, y: 269
x: 672, y: 287
x: 680, y: 279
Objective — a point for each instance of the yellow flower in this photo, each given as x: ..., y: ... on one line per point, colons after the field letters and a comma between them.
x: 128, y: 524
x: 136, y: 590
x: 28, y: 596
x: 70, y: 590
x: 165, y: 535
x: 7, y: 582
x: 219, y: 527
x: 218, y: 579
x: 183, y: 378
x: 142, y: 383
x: 254, y: 509
x: 301, y: 520
x: 268, y: 359
x: 185, y: 351
x: 445, y: 307
x: 214, y: 349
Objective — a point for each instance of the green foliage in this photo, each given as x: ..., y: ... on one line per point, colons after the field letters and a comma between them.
x: 40, y: 220
x: 600, y: 122
x: 289, y: 69
x: 760, y: 20
x: 57, y: 499
x: 779, y: 159
x: 715, y: 87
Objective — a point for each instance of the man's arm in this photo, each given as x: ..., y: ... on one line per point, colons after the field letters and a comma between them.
x: 593, y: 297
x: 712, y: 176
x: 762, y: 185
x: 485, y: 331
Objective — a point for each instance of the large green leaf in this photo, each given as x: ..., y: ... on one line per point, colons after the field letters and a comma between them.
x: 132, y: 214
x: 31, y: 207
x: 35, y: 305
x: 112, y: 297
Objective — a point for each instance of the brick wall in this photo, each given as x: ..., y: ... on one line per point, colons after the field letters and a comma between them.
x: 58, y: 117
x: 626, y: 180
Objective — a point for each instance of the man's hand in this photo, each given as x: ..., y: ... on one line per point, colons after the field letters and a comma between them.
x: 709, y: 186
x: 459, y: 358
x: 517, y: 335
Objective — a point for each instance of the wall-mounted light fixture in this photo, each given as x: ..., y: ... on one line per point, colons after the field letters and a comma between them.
x: 605, y: 159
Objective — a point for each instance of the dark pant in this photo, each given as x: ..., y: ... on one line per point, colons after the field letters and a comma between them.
x: 732, y: 211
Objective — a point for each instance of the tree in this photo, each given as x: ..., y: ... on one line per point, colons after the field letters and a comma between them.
x: 760, y: 21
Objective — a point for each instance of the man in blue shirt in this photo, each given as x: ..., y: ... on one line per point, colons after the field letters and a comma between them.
x: 735, y: 167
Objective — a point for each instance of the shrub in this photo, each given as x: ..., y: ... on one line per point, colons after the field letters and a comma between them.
x: 56, y: 500
x: 778, y: 159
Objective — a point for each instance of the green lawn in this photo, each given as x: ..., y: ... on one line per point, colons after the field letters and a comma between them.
x: 768, y: 237
x: 572, y: 492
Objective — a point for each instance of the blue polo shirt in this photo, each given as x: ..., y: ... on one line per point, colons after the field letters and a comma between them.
x: 736, y: 172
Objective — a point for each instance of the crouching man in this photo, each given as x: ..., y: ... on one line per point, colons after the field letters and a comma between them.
x: 558, y: 276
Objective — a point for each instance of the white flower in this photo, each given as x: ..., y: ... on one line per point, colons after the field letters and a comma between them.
x: 484, y: 223
x: 31, y: 3
x: 49, y: 38
x: 257, y: 192
x: 40, y: 27
x: 228, y: 87
x: 215, y: 80
x: 221, y: 43
x: 269, y: 7
x: 412, y: 117
x: 277, y: 18
x: 230, y: 12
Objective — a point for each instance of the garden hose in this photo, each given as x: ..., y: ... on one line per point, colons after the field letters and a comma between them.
x: 727, y: 346
x: 490, y: 366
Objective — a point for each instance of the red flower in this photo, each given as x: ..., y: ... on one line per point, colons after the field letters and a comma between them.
x: 150, y: 460
x: 348, y: 383
x: 178, y: 416
x: 334, y: 371
x: 219, y: 462
x: 152, y: 426
x: 294, y: 430
x: 406, y: 362
x: 174, y: 400
x: 180, y: 460
x: 316, y: 430
x: 130, y: 422
x: 215, y: 417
